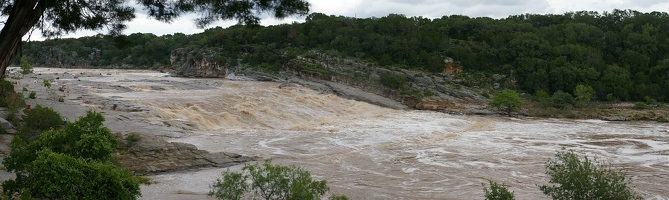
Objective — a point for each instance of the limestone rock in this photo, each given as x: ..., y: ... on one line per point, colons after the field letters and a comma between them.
x: 153, y: 154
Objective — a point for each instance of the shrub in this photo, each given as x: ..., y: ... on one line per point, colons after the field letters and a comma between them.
x: 562, y: 99
x: 573, y: 178
x: 61, y: 99
x: 25, y: 89
x: 25, y: 67
x: 392, y: 81
x: 269, y: 182
x: 42, y: 118
x: 485, y: 94
x: 132, y: 138
x: 497, y: 192
x: 640, y: 105
x: 38, y: 119
x: 70, y: 163
x: 32, y: 95
x: 584, y: 94
x: 47, y: 84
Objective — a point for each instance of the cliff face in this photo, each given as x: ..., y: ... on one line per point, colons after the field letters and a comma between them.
x: 199, y: 64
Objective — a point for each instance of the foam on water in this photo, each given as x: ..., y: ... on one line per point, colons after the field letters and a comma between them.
x: 368, y: 152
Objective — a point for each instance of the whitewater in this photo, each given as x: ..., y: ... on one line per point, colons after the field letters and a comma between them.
x: 366, y: 151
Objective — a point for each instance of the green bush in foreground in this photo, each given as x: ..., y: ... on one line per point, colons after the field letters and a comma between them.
x: 497, y: 192
x: 70, y: 163
x: 576, y: 179
x: 269, y: 181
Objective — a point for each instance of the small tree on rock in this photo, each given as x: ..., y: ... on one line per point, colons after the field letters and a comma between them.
x: 507, y: 101
x: 25, y: 67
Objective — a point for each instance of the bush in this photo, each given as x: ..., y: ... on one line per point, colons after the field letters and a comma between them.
x: 392, y: 81
x: 25, y: 89
x: 42, y: 118
x: 70, y: 163
x: 562, y: 99
x: 132, y: 138
x: 269, y: 181
x: 640, y: 105
x: 497, y: 192
x: 25, y: 67
x: 32, y: 95
x: 573, y: 178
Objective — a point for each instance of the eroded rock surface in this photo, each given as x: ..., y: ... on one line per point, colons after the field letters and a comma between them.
x: 147, y: 154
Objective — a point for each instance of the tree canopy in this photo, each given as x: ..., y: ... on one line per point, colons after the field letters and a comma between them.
x: 507, y: 101
x: 57, y: 17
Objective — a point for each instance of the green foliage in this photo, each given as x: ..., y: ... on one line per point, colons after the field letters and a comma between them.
x: 507, y: 101
x: 392, y: 81
x: 42, y: 118
x: 573, y: 178
x: 132, y: 138
x: 6, y: 88
x: 584, y: 94
x: 26, y: 68
x: 37, y: 120
x: 640, y: 105
x: 25, y: 89
x: 47, y: 84
x: 32, y: 95
x: 562, y: 100
x: 70, y: 163
x: 269, y: 181
x: 497, y: 192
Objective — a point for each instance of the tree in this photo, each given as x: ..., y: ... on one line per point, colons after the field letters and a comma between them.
x: 70, y: 163
x: 58, y: 17
x: 25, y: 66
x: 583, y: 94
x: 507, y: 101
x: 269, y: 182
x: 573, y: 178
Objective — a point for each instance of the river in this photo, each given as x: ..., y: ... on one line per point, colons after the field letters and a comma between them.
x: 369, y: 152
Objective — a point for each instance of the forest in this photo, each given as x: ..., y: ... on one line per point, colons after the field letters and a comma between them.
x: 623, y: 54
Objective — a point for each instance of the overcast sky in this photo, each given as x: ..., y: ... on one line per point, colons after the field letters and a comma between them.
x: 426, y: 8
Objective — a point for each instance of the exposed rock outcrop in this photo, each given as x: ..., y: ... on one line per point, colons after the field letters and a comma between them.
x: 146, y: 153
x: 188, y: 66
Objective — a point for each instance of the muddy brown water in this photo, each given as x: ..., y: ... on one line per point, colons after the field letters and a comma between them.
x: 369, y: 152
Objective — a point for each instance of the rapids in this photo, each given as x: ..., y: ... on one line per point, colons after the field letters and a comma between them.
x: 368, y: 152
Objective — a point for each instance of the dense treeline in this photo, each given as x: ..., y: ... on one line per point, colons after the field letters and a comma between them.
x: 623, y: 54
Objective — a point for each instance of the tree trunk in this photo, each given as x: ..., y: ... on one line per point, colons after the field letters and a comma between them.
x: 24, y: 15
